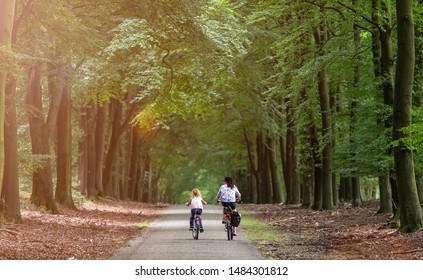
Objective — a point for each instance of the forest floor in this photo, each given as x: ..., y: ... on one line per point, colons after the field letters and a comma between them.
x: 93, y: 232
x: 97, y: 229
x: 344, y: 234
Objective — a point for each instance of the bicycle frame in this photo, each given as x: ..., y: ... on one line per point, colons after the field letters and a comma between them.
x: 197, y: 225
x: 228, y: 224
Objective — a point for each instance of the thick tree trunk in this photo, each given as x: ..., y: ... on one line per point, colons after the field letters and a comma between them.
x: 64, y: 148
x: 113, y: 146
x: 327, y: 193
x: 56, y: 87
x: 386, y: 62
x: 10, y: 192
x: 42, y: 186
x: 410, y: 210
x: 379, y: 36
x: 7, y: 14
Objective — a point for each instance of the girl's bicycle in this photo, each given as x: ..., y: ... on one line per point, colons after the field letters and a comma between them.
x: 197, y: 225
x: 228, y: 222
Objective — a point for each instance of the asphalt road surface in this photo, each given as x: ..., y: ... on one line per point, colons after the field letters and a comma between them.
x: 168, y: 238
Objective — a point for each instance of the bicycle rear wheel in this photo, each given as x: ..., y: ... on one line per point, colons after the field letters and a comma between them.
x: 229, y: 229
x: 197, y: 231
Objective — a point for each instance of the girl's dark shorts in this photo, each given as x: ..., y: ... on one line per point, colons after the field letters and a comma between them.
x: 230, y: 204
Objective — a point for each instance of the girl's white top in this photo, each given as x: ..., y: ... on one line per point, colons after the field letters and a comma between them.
x: 196, y: 203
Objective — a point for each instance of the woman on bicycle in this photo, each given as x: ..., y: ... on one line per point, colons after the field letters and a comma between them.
x: 229, y: 195
x: 196, y: 202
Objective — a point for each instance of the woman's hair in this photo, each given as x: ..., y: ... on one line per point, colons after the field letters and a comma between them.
x: 195, y: 193
x: 229, y: 181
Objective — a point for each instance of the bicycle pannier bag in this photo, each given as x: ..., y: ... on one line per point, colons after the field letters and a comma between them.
x: 235, y: 219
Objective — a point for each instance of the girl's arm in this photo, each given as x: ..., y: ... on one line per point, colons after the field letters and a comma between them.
x: 205, y: 203
x: 188, y: 203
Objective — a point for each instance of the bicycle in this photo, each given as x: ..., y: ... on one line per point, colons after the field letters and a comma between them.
x: 197, y: 225
x: 228, y: 222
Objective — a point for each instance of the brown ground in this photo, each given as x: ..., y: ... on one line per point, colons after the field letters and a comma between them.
x: 345, y: 234
x: 97, y: 229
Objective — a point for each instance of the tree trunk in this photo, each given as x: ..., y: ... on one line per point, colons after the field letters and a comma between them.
x: 419, y: 182
x: 91, y: 148
x: 10, y: 192
x: 113, y: 146
x: 385, y: 205
x: 56, y: 87
x: 355, y: 180
x: 410, y: 210
x: 320, y: 36
x: 316, y: 159
x: 307, y: 182
x: 133, y: 173
x: 273, y: 163
x: 252, y: 167
x: 124, y: 192
x: 7, y: 14
x: 83, y: 150
x: 265, y: 174
x: 260, y: 166
x: 293, y: 196
x: 64, y: 148
x: 150, y: 181
x: 100, y: 128
x: 42, y: 186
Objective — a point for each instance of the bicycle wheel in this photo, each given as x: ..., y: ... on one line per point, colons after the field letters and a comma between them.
x: 229, y: 229
x: 197, y: 231
x: 194, y: 229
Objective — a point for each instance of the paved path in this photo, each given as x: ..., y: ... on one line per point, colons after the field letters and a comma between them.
x: 168, y: 238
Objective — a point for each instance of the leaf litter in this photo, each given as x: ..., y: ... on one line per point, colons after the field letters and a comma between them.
x: 343, y: 234
x: 93, y: 232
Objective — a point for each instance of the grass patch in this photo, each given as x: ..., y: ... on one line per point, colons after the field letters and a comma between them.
x: 257, y: 230
x: 143, y: 224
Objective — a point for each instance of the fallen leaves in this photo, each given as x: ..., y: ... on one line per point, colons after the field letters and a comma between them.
x: 344, y: 234
x: 92, y: 232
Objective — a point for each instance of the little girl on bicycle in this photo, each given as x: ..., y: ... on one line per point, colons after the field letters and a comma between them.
x: 196, y: 202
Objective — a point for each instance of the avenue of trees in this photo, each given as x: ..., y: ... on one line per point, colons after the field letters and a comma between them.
x: 315, y: 102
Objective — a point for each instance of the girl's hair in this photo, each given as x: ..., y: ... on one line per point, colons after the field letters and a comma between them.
x: 195, y: 193
x: 230, y: 182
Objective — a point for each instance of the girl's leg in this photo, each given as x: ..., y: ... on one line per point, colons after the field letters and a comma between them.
x: 191, y: 219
